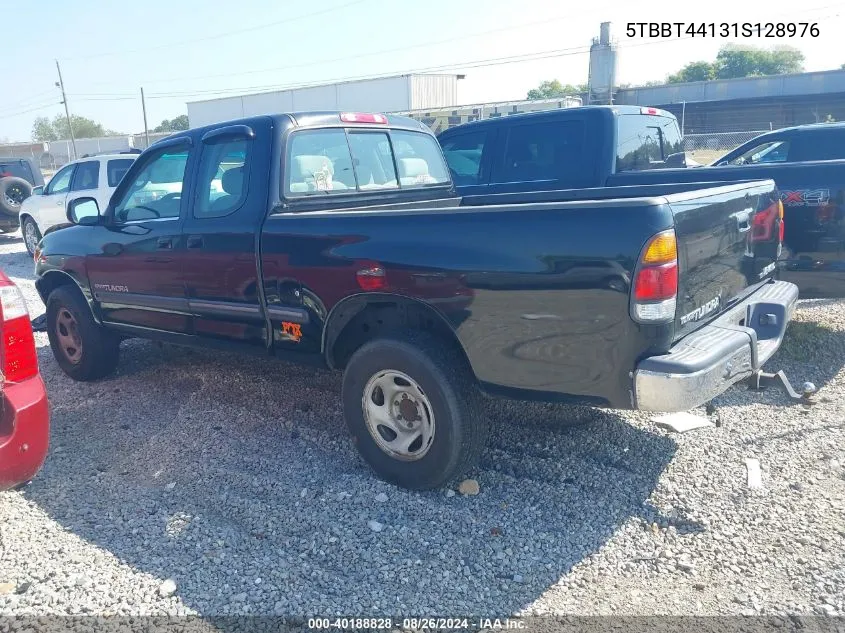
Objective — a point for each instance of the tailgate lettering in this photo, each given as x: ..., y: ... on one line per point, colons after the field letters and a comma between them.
x: 702, y: 311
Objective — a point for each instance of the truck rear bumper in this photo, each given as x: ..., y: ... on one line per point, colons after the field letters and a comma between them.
x: 732, y: 348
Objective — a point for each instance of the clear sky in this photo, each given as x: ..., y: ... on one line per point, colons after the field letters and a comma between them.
x: 186, y: 50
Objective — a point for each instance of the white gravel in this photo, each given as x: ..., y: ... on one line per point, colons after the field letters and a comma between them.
x: 197, y: 482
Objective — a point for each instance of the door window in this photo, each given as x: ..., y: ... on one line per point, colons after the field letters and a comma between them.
x: 822, y: 144
x: 60, y: 183
x: 223, y: 175
x: 87, y: 176
x: 116, y: 169
x: 549, y: 150
x: 771, y: 152
x: 463, y: 155
x: 156, y: 190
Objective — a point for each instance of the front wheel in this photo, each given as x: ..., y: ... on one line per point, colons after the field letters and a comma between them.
x: 414, y: 410
x: 84, y: 350
x: 31, y: 235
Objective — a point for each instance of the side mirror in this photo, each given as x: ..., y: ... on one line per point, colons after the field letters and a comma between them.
x: 38, y: 191
x: 83, y: 211
x: 677, y: 160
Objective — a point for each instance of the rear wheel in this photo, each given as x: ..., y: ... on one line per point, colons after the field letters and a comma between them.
x: 31, y: 234
x: 414, y: 410
x: 83, y: 349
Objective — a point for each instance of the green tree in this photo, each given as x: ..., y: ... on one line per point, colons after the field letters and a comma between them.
x: 734, y: 61
x: 554, y: 89
x: 176, y: 125
x: 42, y: 130
x: 45, y: 130
x: 694, y: 71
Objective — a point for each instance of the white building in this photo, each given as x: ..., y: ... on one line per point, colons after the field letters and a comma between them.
x: 400, y: 93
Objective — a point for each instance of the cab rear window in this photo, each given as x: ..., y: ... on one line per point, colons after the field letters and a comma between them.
x: 340, y: 161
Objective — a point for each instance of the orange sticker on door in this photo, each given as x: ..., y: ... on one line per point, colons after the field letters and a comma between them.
x: 292, y: 331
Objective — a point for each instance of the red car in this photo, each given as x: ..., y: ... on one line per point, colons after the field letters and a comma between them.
x: 24, y: 410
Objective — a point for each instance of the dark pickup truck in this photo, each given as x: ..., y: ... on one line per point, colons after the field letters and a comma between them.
x: 338, y: 239
x: 612, y: 146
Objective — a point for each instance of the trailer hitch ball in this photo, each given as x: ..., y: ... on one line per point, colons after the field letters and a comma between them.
x: 809, y: 389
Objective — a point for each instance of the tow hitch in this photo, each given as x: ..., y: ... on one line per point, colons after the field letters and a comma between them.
x: 760, y: 380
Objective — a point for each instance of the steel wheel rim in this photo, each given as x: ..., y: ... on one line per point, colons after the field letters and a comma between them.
x: 67, y: 335
x: 17, y: 199
x: 398, y: 415
x: 29, y: 236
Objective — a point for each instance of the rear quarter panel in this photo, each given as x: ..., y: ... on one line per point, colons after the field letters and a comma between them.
x: 537, y: 294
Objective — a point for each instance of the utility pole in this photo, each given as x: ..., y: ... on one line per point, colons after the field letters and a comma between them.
x: 61, y: 84
x: 144, y: 108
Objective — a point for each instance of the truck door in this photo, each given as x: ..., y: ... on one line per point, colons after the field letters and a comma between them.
x: 230, y: 201
x: 136, y: 276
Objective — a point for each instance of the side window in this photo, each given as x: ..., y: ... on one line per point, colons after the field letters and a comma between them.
x: 373, y: 160
x: 60, y: 183
x: 541, y: 151
x: 770, y: 152
x: 156, y: 190
x: 645, y: 141
x: 116, y: 169
x: 87, y: 176
x: 223, y: 176
x: 319, y: 162
x: 823, y: 144
x: 463, y: 155
x: 419, y: 159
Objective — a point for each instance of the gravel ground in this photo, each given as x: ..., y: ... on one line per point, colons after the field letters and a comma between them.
x: 236, y: 479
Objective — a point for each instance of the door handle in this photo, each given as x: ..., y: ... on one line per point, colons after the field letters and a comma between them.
x: 195, y: 241
x: 165, y: 242
x: 60, y: 203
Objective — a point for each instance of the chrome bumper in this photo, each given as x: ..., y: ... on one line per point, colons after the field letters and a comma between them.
x: 732, y: 348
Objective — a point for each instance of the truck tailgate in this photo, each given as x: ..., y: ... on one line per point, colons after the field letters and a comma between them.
x: 728, y: 244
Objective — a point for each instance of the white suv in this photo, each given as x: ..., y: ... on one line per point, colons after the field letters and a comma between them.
x: 95, y: 177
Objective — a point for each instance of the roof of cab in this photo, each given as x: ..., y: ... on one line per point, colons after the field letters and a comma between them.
x: 612, y: 109
x: 308, y: 119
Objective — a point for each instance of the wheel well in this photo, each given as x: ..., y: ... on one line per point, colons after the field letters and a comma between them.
x: 359, y: 322
x: 54, y: 279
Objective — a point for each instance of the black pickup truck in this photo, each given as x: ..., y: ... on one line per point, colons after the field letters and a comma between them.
x: 338, y: 239
x: 611, y: 146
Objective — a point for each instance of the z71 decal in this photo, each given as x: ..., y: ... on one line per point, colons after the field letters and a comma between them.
x: 805, y: 197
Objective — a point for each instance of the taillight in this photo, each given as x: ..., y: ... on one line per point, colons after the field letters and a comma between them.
x: 359, y: 117
x: 656, y: 280
x: 371, y: 278
x: 18, y: 358
x: 649, y: 111
x: 763, y: 223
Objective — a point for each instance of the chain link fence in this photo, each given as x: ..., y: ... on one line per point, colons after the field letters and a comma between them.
x: 707, y: 147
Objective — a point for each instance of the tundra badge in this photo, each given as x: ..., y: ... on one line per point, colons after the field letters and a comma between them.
x: 701, y: 311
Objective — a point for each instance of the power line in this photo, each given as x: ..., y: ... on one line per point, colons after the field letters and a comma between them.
x: 356, y: 56
x: 217, y: 36
x: 34, y: 109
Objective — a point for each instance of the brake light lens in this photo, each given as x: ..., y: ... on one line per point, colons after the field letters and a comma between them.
x: 649, y: 111
x: 763, y: 223
x: 371, y: 278
x: 655, y: 289
x: 361, y: 117
x: 18, y: 358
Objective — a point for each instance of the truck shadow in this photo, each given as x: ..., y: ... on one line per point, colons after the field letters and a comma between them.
x: 264, y: 483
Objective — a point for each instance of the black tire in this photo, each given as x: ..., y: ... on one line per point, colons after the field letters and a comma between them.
x: 460, y: 429
x: 13, y: 191
x: 98, y: 350
x: 27, y: 225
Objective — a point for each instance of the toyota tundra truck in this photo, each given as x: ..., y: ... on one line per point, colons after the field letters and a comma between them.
x: 337, y: 239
